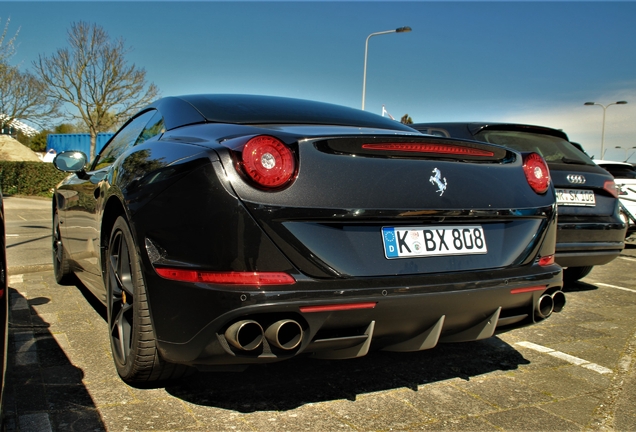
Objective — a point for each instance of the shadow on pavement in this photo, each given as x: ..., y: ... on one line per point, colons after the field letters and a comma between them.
x: 293, y: 383
x: 578, y: 287
x: 43, y: 390
x: 28, y: 241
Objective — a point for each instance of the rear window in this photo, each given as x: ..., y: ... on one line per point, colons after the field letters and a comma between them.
x: 250, y: 109
x: 553, y: 149
x: 620, y: 171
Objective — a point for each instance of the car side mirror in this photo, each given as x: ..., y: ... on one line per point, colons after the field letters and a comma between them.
x: 72, y: 162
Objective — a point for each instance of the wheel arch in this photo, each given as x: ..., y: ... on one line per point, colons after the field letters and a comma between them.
x: 113, y: 209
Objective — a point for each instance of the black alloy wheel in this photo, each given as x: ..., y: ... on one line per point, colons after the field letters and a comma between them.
x: 132, y: 337
x: 61, y: 264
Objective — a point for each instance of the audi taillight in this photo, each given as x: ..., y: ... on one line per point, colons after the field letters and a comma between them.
x: 268, y: 161
x: 611, y: 187
x: 536, y: 171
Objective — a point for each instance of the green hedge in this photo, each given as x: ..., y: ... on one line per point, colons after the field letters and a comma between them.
x: 29, y: 178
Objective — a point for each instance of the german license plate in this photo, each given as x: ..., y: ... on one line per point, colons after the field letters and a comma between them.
x: 423, y: 241
x: 575, y: 197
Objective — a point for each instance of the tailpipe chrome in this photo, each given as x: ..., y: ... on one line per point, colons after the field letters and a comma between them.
x: 545, y: 306
x: 558, y: 300
x: 285, y: 334
x: 246, y: 335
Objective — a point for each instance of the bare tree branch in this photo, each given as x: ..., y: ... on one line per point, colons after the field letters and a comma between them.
x: 22, y: 97
x: 7, y: 46
x: 93, y: 76
x: 21, y: 94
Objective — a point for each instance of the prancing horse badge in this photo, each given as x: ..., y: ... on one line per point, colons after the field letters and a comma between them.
x: 437, y: 179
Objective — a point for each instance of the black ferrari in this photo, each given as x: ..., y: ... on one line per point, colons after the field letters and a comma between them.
x: 227, y: 230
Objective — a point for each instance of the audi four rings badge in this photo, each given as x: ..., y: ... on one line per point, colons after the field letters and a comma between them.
x: 576, y: 178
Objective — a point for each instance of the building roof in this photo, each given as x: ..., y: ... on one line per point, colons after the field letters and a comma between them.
x: 18, y: 125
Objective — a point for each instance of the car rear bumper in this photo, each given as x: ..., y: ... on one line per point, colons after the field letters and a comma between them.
x: 348, y: 323
x: 589, y: 243
x: 587, y: 254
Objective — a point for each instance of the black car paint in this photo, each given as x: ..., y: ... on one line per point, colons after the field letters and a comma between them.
x: 586, y: 236
x: 187, y: 206
x: 4, y: 306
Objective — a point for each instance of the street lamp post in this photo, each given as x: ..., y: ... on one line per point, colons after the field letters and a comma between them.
x: 366, y: 49
x: 603, y: 127
x: 625, y: 148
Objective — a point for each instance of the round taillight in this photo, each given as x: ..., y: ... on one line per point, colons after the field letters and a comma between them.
x: 268, y: 161
x: 536, y: 171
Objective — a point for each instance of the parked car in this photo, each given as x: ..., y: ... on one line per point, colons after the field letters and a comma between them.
x: 591, y: 231
x: 229, y: 230
x: 625, y: 177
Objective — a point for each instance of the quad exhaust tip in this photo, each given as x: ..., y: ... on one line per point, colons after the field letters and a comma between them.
x: 285, y: 334
x: 558, y: 298
x: 246, y: 335
x: 545, y: 306
x: 549, y: 303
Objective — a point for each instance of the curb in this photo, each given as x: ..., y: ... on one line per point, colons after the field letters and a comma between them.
x: 15, y: 270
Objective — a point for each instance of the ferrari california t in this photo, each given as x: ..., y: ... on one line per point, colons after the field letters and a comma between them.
x: 227, y: 230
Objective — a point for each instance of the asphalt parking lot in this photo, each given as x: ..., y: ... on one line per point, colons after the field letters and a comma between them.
x: 575, y: 371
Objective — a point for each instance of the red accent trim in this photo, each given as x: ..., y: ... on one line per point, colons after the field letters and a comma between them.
x: 337, y: 307
x: 546, y: 260
x: 227, y: 278
x: 527, y: 289
x: 429, y: 148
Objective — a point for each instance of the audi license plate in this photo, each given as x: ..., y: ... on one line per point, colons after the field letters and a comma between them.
x: 575, y: 197
x: 410, y: 242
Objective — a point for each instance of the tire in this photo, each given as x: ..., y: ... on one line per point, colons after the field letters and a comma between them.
x: 132, y: 338
x: 61, y: 263
x: 573, y: 274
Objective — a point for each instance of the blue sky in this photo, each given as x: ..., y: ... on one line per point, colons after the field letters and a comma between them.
x: 527, y: 62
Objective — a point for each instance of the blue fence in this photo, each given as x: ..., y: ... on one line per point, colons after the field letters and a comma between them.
x: 81, y: 142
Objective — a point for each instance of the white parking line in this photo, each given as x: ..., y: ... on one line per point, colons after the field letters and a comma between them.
x: 15, y: 279
x: 568, y: 358
x: 614, y: 286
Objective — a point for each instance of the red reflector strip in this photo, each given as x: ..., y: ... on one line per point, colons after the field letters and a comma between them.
x: 228, y: 278
x: 337, y: 307
x: 429, y: 148
x: 528, y: 289
x: 546, y: 260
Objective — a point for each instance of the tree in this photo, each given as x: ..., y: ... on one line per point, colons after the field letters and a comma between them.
x: 94, y: 78
x: 406, y: 119
x: 65, y: 128
x: 7, y: 46
x: 38, y: 141
x: 21, y: 93
x: 22, y: 96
